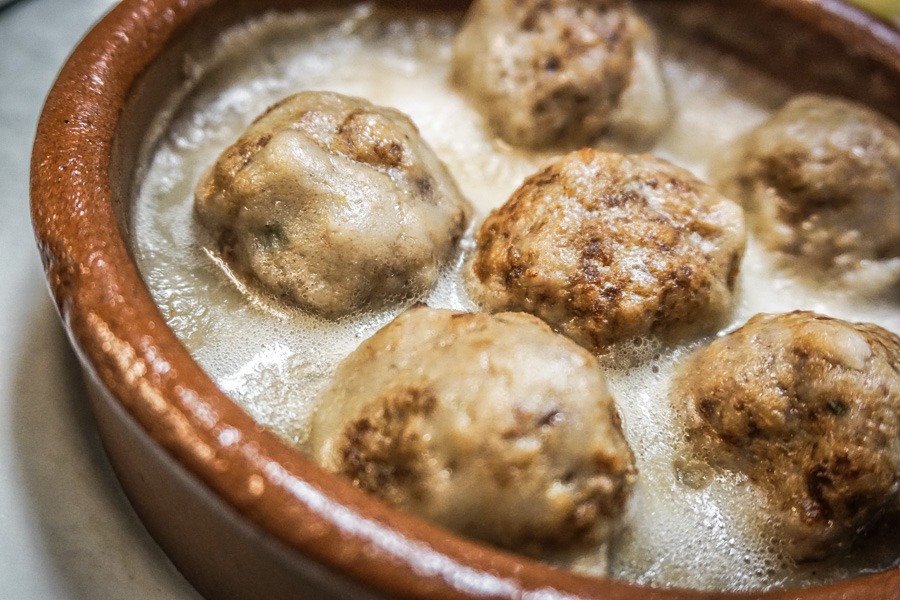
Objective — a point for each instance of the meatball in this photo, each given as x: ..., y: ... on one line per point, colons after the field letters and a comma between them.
x: 821, y: 182
x: 493, y: 426
x: 333, y: 204
x: 809, y: 408
x: 607, y: 247
x: 545, y: 72
x: 645, y: 108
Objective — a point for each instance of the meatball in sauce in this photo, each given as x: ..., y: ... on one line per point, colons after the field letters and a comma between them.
x: 607, y: 247
x: 493, y: 426
x: 553, y: 73
x: 821, y: 182
x: 333, y: 204
x: 809, y: 408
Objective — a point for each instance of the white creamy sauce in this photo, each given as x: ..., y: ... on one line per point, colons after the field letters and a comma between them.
x: 274, y: 361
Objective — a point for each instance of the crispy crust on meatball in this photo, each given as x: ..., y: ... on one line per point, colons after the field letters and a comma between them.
x: 607, y: 247
x: 809, y: 408
x: 493, y: 426
x: 333, y: 204
x: 821, y: 182
x: 545, y: 72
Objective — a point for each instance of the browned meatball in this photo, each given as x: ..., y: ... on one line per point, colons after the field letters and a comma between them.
x: 809, y: 408
x: 493, y: 426
x: 334, y: 204
x: 606, y: 247
x: 821, y: 182
x: 545, y: 72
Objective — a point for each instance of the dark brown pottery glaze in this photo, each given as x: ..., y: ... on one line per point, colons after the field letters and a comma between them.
x: 240, y: 513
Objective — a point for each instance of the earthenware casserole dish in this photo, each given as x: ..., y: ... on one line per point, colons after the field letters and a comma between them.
x: 240, y: 513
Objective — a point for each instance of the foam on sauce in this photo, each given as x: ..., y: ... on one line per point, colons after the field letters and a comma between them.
x: 687, y: 526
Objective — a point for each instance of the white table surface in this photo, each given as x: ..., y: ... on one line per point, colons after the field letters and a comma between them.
x: 66, y: 528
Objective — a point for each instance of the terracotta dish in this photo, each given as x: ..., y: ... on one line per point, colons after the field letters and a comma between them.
x: 240, y: 513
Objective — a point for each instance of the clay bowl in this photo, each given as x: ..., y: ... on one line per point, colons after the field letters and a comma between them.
x: 241, y: 514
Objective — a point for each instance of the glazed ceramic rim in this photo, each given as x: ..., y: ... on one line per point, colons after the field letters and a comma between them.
x: 123, y: 339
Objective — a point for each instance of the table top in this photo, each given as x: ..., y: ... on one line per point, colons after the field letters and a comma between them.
x: 68, y: 531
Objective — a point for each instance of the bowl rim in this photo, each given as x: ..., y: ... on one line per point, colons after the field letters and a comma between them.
x: 122, y: 339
